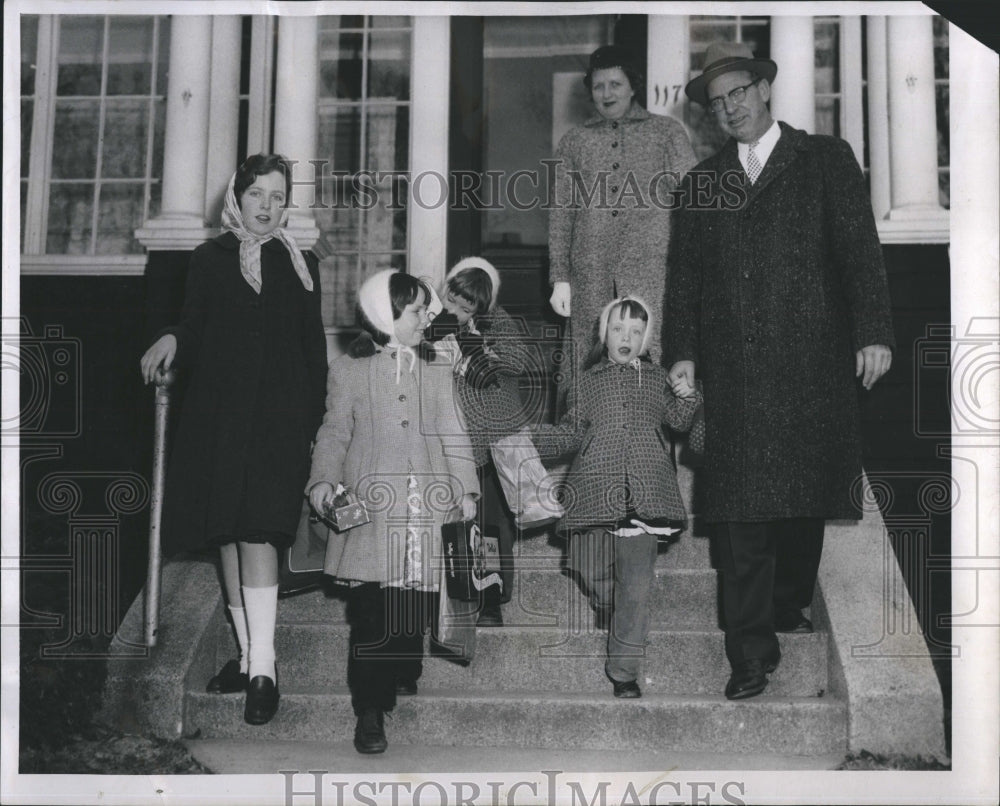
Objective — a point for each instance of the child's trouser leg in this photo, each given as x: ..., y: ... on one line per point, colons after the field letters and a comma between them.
x: 592, y: 555
x: 369, y: 676
x: 635, y: 558
x: 410, y: 612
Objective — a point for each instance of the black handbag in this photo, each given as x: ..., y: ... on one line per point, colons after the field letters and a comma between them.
x: 471, y: 559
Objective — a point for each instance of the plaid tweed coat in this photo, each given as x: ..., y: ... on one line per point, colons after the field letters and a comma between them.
x: 499, y: 411
x: 771, y: 298
x: 623, y: 455
x: 373, y: 432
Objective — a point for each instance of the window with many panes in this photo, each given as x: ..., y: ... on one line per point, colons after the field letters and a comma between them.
x: 92, y: 121
x: 363, y: 137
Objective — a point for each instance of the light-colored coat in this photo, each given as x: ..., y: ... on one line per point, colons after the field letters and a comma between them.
x: 373, y: 433
x: 771, y: 298
x: 609, y: 250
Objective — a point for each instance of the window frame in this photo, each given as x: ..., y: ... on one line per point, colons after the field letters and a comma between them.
x: 34, y: 257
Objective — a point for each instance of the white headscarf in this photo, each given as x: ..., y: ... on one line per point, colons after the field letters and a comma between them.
x: 232, y: 221
x: 376, y: 304
x: 635, y: 363
x: 478, y: 263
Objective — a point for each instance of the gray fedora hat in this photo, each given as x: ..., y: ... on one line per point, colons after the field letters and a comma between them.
x: 725, y: 57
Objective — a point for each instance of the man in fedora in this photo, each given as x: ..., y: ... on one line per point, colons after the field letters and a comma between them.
x: 777, y: 299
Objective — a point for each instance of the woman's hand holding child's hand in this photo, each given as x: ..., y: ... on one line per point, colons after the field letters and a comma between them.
x: 681, y: 377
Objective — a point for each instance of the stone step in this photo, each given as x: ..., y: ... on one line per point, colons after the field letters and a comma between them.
x: 690, y: 551
x: 512, y: 659
x: 763, y: 724
x: 546, y: 595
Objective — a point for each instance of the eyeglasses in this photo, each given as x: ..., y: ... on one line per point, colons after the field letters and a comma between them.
x: 736, y: 96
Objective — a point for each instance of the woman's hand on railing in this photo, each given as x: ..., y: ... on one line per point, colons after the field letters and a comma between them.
x: 158, y: 358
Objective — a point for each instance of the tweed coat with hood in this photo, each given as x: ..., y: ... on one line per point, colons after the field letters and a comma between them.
x: 771, y: 298
x: 255, y: 367
x: 624, y: 458
x: 620, y: 247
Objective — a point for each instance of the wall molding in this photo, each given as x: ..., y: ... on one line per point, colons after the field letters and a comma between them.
x: 83, y: 265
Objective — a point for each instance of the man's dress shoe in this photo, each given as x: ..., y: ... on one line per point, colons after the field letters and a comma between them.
x: 749, y: 678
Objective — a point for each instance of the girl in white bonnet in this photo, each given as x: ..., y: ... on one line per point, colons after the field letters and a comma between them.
x: 622, y: 485
x: 392, y: 436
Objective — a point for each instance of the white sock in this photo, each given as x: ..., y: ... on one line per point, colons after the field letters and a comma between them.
x: 242, y: 639
x: 262, y: 613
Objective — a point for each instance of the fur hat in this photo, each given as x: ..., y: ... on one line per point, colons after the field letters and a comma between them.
x: 606, y: 314
x: 727, y: 57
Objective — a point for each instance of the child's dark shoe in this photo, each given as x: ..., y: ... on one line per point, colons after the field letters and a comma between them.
x: 626, y: 690
x: 490, y: 616
x: 406, y: 688
x: 369, y: 733
x: 262, y: 700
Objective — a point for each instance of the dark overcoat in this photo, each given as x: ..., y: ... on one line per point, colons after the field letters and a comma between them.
x: 773, y: 288
x: 615, y: 424
x: 256, y: 369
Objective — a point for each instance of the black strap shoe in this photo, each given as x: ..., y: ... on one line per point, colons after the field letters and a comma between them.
x: 369, y: 733
x: 229, y: 679
x: 262, y: 700
x: 747, y: 680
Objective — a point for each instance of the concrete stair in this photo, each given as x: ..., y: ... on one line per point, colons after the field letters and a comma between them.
x: 539, y: 680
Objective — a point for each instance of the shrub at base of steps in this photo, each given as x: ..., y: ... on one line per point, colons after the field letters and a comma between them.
x: 872, y: 761
x: 103, y: 752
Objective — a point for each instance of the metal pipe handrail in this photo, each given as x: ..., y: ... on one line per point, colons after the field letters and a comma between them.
x: 163, y: 380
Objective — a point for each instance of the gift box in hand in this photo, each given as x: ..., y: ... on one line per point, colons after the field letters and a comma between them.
x: 347, y: 512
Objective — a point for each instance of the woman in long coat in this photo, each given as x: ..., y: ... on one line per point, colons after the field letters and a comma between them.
x: 251, y: 342
x: 634, y: 160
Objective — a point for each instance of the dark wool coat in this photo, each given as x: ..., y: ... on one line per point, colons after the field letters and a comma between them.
x: 256, y: 369
x: 615, y: 425
x: 771, y: 297
x: 494, y: 412
x: 618, y: 247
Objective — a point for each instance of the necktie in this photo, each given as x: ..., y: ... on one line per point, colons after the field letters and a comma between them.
x: 753, y: 164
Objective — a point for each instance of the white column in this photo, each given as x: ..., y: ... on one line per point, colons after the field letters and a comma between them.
x: 975, y: 314
x: 295, y: 118
x: 181, y: 223
x: 793, y: 96
x: 878, y: 117
x: 428, y: 192
x: 668, y: 63
x: 912, y: 122
x: 224, y: 112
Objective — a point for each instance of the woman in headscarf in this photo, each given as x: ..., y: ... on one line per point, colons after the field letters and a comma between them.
x: 251, y: 345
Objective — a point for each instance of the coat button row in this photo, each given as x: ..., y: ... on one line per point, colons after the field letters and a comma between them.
x: 615, y: 165
x: 405, y: 423
x: 402, y: 398
x: 750, y: 339
x: 614, y: 144
x: 614, y: 213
